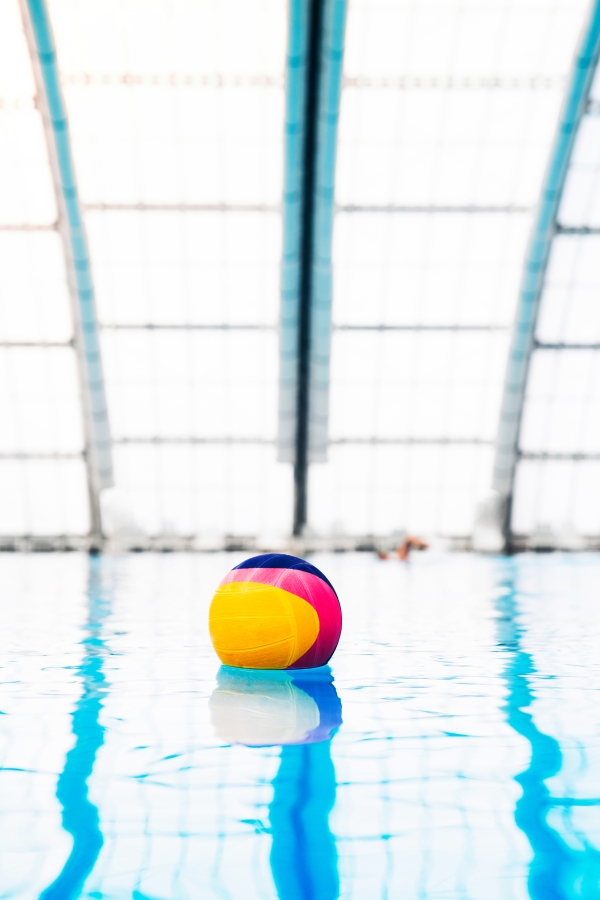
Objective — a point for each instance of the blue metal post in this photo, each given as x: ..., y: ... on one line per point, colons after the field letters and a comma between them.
x: 50, y: 100
x: 313, y: 86
x: 334, y: 24
x: 536, y: 263
x: 292, y: 215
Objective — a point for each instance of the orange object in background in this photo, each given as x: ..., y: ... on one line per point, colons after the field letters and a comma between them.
x: 410, y: 542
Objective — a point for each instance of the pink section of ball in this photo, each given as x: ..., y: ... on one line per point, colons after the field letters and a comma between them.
x: 316, y: 592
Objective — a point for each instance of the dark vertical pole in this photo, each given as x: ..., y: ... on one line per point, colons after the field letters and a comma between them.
x: 313, y: 65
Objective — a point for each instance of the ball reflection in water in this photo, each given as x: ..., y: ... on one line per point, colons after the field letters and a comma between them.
x: 272, y: 708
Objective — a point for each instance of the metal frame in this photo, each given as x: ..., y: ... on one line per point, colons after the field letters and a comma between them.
x: 411, y: 328
x: 227, y: 326
x: 410, y: 441
x: 460, y: 82
x: 581, y: 229
x: 181, y: 207
x: 458, y: 210
x: 50, y: 101
x: 562, y: 345
x: 22, y: 226
x: 192, y: 441
x: 313, y: 89
x: 8, y: 345
x: 552, y: 455
x: 40, y: 455
x: 291, y: 212
x: 305, y: 282
x: 224, y: 439
x: 183, y: 326
x: 232, y: 542
x: 536, y: 263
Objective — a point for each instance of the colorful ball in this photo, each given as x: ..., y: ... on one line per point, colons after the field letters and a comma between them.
x: 275, y: 612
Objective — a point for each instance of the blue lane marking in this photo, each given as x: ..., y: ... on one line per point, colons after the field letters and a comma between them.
x: 80, y: 816
x: 557, y: 871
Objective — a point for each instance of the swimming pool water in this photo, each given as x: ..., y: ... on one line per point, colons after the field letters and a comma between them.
x: 451, y: 751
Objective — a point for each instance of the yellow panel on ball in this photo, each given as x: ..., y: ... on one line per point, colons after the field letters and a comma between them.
x: 259, y: 626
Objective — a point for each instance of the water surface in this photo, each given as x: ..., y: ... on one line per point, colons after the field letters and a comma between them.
x: 451, y: 751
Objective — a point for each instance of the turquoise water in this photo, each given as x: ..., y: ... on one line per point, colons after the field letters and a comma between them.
x: 452, y: 750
